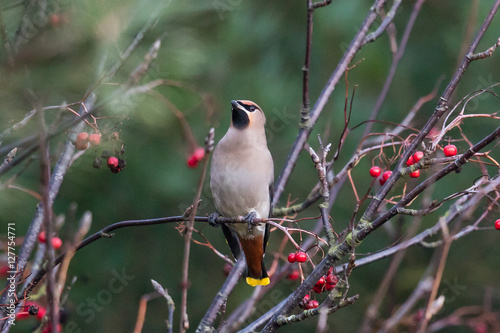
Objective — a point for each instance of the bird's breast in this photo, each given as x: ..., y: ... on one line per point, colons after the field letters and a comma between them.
x: 240, y: 181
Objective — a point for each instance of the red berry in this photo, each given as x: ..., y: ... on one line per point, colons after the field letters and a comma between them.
x: 375, y: 171
x: 410, y: 161
x: 94, y: 139
x: 294, y: 275
x: 497, y: 224
x: 42, y: 237
x: 331, y: 279
x: 82, y: 141
x: 304, y: 303
x: 320, y: 282
x: 79, y: 145
x: 385, y: 176
x: 318, y: 289
x: 116, y: 165
x: 329, y: 286
x: 26, y: 310
x: 4, y: 268
x: 84, y: 136
x: 196, y: 157
x: 291, y: 258
x: 481, y: 328
x: 331, y: 282
x: 112, y: 162
x: 56, y: 242
x: 417, y: 156
x: 199, y: 153
x: 301, y: 257
x: 312, y: 304
x: 450, y: 150
x: 415, y: 174
x: 41, y: 312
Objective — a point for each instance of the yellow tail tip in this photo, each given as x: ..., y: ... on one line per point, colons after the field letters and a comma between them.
x: 258, y: 282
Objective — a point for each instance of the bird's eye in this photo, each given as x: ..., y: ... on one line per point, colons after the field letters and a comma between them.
x: 252, y: 108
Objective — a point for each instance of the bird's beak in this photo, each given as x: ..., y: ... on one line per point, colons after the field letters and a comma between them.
x: 235, y: 104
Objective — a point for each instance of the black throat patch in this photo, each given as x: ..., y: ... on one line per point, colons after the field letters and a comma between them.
x: 240, y: 118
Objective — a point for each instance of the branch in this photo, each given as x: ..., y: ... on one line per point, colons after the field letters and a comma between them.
x: 306, y: 129
x: 324, y: 207
x: 209, y: 146
x: 439, y: 111
x: 424, y: 287
x: 364, y: 228
x: 463, y: 205
x: 314, y: 312
x: 207, y: 323
x: 54, y: 185
x: 171, y: 306
x: 484, y: 54
x: 394, y: 65
x: 388, y: 19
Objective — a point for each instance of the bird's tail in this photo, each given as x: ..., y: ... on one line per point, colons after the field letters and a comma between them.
x: 263, y: 280
x: 254, y: 254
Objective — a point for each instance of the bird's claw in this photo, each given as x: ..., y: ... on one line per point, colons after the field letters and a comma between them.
x: 212, y: 219
x: 249, y: 218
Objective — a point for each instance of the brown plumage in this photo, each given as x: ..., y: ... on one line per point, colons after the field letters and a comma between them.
x: 242, y: 173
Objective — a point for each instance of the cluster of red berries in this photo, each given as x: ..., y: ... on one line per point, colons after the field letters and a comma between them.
x: 297, y: 257
x: 326, y: 282
x: 375, y: 171
x: 307, y: 303
x: 415, y: 158
x: 82, y: 142
x: 56, y: 241
x: 83, y: 139
x: 497, y: 224
x: 195, y: 157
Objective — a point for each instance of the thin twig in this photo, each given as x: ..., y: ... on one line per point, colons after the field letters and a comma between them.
x: 207, y: 323
x: 171, y: 306
x: 189, y: 232
x: 439, y: 111
x: 484, y: 54
x: 306, y: 129
x: 141, y: 313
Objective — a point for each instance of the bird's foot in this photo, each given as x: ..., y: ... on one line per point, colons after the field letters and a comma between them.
x: 212, y: 219
x: 249, y: 218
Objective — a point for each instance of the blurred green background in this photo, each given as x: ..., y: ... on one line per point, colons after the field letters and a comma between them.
x: 219, y: 51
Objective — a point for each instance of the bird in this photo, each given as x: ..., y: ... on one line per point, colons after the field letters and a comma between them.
x: 241, y: 180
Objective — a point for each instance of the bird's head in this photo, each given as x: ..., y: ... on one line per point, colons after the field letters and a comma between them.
x: 247, y: 114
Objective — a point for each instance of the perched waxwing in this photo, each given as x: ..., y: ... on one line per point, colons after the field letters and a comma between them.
x: 241, y: 178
